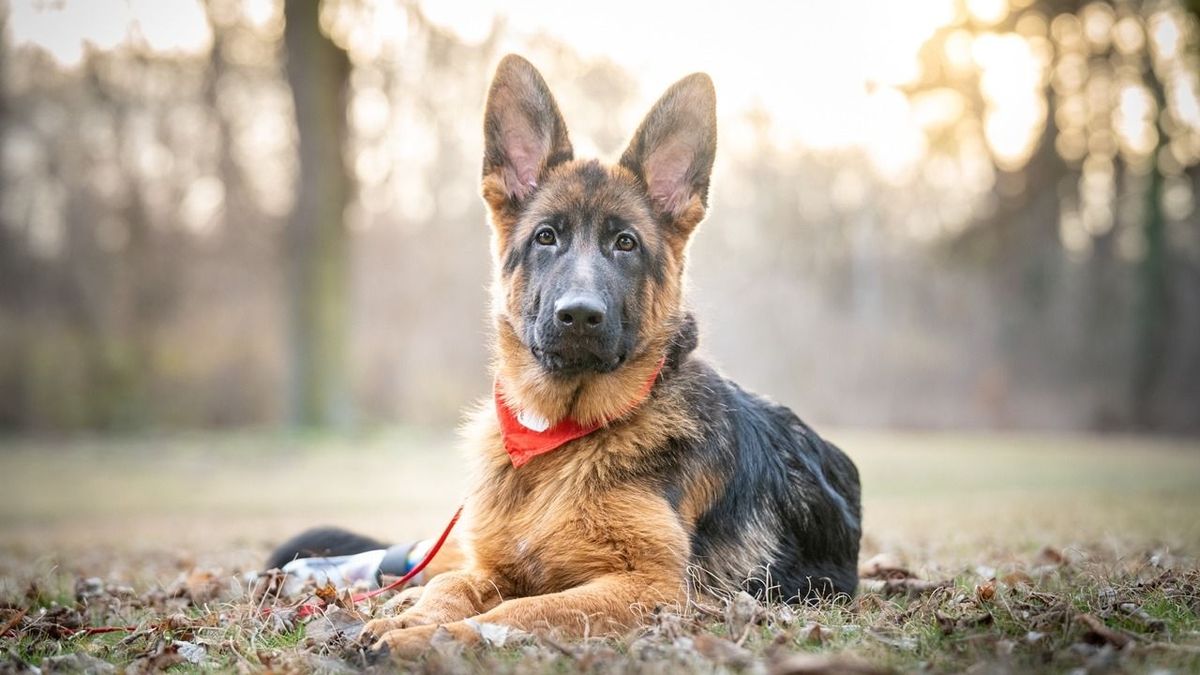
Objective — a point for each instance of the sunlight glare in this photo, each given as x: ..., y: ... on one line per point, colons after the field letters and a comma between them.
x: 1128, y: 35
x: 957, y: 51
x: 367, y: 30
x: 893, y: 140
x: 260, y: 13
x: 1098, y: 19
x: 1164, y: 29
x: 171, y: 25
x: 1133, y: 120
x: 988, y: 12
x: 1185, y: 95
x: 1010, y: 85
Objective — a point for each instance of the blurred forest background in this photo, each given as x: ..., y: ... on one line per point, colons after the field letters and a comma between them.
x: 941, y: 214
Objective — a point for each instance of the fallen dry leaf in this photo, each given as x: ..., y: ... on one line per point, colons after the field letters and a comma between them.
x: 267, y: 657
x: 815, y: 634
x: 496, y: 634
x: 158, y: 660
x: 86, y: 589
x: 884, y: 566
x: 269, y: 584
x: 743, y: 610
x: 334, y: 624
x: 1050, y: 556
x: 201, y: 586
x: 784, y: 615
x: 722, y: 651
x: 1016, y: 578
x: 56, y: 622
x: 10, y: 619
x: 1100, y: 634
x: 178, y: 622
x: 190, y: 651
x: 327, y: 594
x: 950, y: 625
x: 76, y: 663
x: 910, y: 587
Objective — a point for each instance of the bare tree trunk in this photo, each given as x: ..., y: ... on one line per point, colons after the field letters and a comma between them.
x: 1154, y: 310
x: 317, y: 242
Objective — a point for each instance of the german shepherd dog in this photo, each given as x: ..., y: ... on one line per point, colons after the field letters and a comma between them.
x: 616, y: 471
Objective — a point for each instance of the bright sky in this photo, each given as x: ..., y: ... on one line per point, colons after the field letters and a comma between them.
x: 823, y: 69
x: 809, y: 63
x: 783, y: 55
x: 63, y: 27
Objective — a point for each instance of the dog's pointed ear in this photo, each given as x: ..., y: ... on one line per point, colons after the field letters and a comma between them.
x: 673, y: 150
x: 524, y: 134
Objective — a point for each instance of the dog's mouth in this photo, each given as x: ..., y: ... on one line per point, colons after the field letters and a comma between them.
x: 569, y: 362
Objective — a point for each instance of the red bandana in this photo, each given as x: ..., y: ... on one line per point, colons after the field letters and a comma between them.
x: 526, y: 436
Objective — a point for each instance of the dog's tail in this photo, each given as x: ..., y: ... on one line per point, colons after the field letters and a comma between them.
x: 322, y: 542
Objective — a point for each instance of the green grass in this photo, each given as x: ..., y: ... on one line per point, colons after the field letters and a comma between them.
x: 140, y: 514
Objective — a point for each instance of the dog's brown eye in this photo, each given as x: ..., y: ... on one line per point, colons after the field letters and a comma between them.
x: 545, y: 237
x: 626, y: 242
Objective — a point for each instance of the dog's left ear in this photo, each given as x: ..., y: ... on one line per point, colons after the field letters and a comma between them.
x: 673, y: 150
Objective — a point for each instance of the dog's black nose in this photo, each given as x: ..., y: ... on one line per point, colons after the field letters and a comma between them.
x: 579, y: 311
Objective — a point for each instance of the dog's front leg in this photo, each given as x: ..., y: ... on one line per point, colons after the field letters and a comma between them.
x: 609, y: 605
x: 448, y: 597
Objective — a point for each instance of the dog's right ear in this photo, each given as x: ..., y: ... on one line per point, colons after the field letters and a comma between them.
x: 524, y: 136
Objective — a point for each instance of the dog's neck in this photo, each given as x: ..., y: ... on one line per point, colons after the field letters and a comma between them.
x: 592, y: 398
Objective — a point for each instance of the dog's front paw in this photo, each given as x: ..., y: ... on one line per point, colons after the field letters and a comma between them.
x: 376, y: 628
x: 404, y: 643
x: 409, y: 643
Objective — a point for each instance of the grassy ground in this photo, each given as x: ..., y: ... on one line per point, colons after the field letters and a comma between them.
x: 988, y: 553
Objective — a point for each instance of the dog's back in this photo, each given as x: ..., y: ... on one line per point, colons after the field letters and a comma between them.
x: 787, y: 522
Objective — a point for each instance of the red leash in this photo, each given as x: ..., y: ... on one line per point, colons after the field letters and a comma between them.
x: 307, y: 610
x: 419, y: 567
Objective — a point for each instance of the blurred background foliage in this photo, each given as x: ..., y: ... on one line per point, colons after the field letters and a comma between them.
x: 941, y: 214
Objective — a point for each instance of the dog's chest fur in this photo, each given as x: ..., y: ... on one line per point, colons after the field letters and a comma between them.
x: 592, y: 507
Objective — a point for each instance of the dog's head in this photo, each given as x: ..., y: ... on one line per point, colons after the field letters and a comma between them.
x: 590, y: 256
